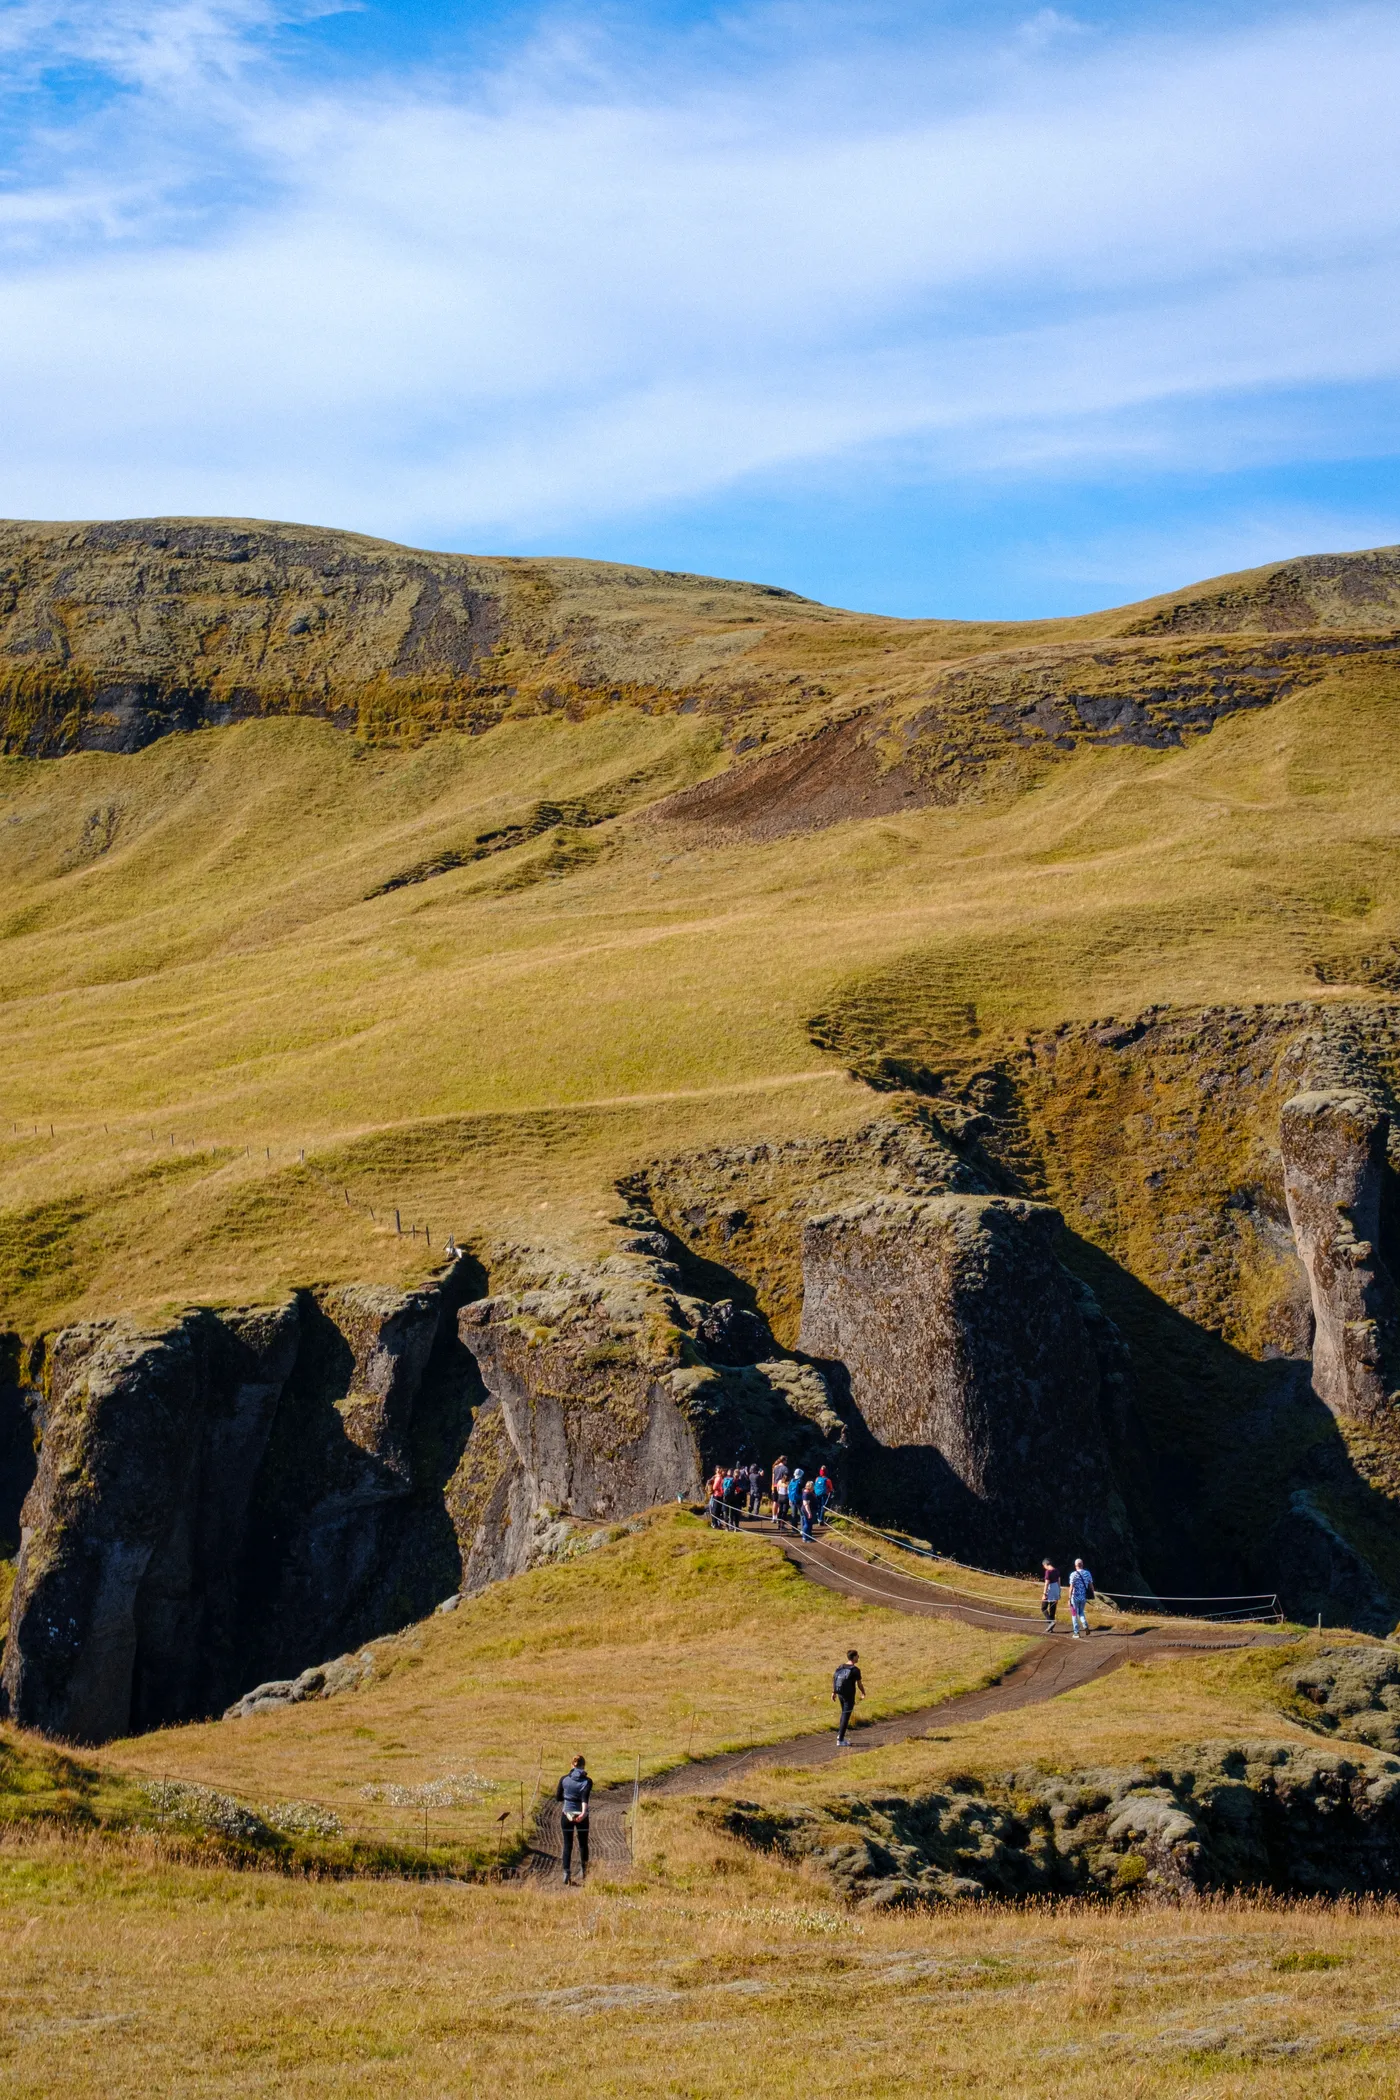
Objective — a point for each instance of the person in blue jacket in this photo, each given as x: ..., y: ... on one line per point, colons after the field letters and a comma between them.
x: 572, y: 1794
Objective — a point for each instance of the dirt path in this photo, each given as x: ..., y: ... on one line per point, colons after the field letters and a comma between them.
x: 1055, y: 1664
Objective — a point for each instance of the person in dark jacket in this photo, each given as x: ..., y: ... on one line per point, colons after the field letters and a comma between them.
x: 846, y: 1688
x: 572, y: 1794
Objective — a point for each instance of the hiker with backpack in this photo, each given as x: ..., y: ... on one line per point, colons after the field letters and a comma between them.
x: 1081, y: 1591
x: 794, y: 1495
x: 821, y: 1494
x: 572, y: 1795
x: 1050, y: 1595
x: 846, y: 1688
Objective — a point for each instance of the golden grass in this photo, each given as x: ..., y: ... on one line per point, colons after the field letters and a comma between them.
x: 670, y: 1641
x: 126, y: 1974
x: 486, y: 1056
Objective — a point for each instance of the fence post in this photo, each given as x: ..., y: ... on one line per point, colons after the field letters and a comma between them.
x: 636, y: 1798
x: 398, y: 1224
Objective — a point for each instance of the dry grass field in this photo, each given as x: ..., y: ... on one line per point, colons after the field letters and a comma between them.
x: 126, y: 1973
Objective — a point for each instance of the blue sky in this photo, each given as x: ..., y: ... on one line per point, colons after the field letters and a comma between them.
x: 926, y: 309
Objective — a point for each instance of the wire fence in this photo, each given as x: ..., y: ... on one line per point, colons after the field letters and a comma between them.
x: 388, y: 1216
x: 1257, y: 1605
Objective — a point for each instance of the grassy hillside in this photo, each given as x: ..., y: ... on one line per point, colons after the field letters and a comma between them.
x: 668, y: 1643
x: 205, y: 974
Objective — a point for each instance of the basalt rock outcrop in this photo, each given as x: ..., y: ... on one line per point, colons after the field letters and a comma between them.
x: 981, y: 1369
x: 229, y: 1497
x: 221, y: 1503
x: 1352, y: 1692
x: 1334, y: 1157
x: 614, y: 1388
x: 1278, y: 1816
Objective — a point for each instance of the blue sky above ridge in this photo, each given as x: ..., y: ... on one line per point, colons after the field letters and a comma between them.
x: 927, y: 309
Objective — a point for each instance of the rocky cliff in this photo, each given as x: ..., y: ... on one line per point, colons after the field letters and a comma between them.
x: 231, y: 1496
x: 618, y: 1388
x: 1334, y: 1162
x: 971, y: 1357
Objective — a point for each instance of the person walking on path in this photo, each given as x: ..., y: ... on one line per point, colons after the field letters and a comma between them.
x: 755, y: 1489
x: 1081, y: 1589
x: 794, y: 1495
x: 780, y: 1486
x: 1050, y: 1595
x: 572, y: 1794
x: 821, y: 1488
x: 846, y: 1688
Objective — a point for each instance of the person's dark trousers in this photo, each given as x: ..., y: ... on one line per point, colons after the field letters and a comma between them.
x: 572, y: 1831
x: 1047, y: 1612
x: 846, y: 1712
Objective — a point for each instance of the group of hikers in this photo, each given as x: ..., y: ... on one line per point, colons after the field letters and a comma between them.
x: 1081, y: 1594
x: 798, y: 1500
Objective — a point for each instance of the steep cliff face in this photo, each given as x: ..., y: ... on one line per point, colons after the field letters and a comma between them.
x: 232, y: 1491
x: 1334, y: 1155
x: 132, y: 1532
x: 969, y: 1355
x: 616, y: 1388
x: 229, y: 1500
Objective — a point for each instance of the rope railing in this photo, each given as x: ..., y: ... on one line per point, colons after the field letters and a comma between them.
x: 1250, y: 1606
x: 1256, y: 1605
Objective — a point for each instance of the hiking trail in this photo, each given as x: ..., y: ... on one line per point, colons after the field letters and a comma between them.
x: 1055, y: 1664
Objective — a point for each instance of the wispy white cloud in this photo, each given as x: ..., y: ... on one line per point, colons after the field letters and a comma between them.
x: 509, y: 302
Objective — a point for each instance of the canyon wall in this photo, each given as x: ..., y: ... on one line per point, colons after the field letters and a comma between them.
x: 237, y: 1496
x: 971, y: 1357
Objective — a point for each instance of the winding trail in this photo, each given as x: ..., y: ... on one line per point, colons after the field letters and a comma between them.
x: 1055, y: 1664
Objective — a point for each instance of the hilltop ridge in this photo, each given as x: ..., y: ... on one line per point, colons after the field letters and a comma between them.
x: 112, y: 634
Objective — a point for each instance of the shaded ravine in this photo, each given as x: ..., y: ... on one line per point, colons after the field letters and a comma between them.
x: 1055, y: 1664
